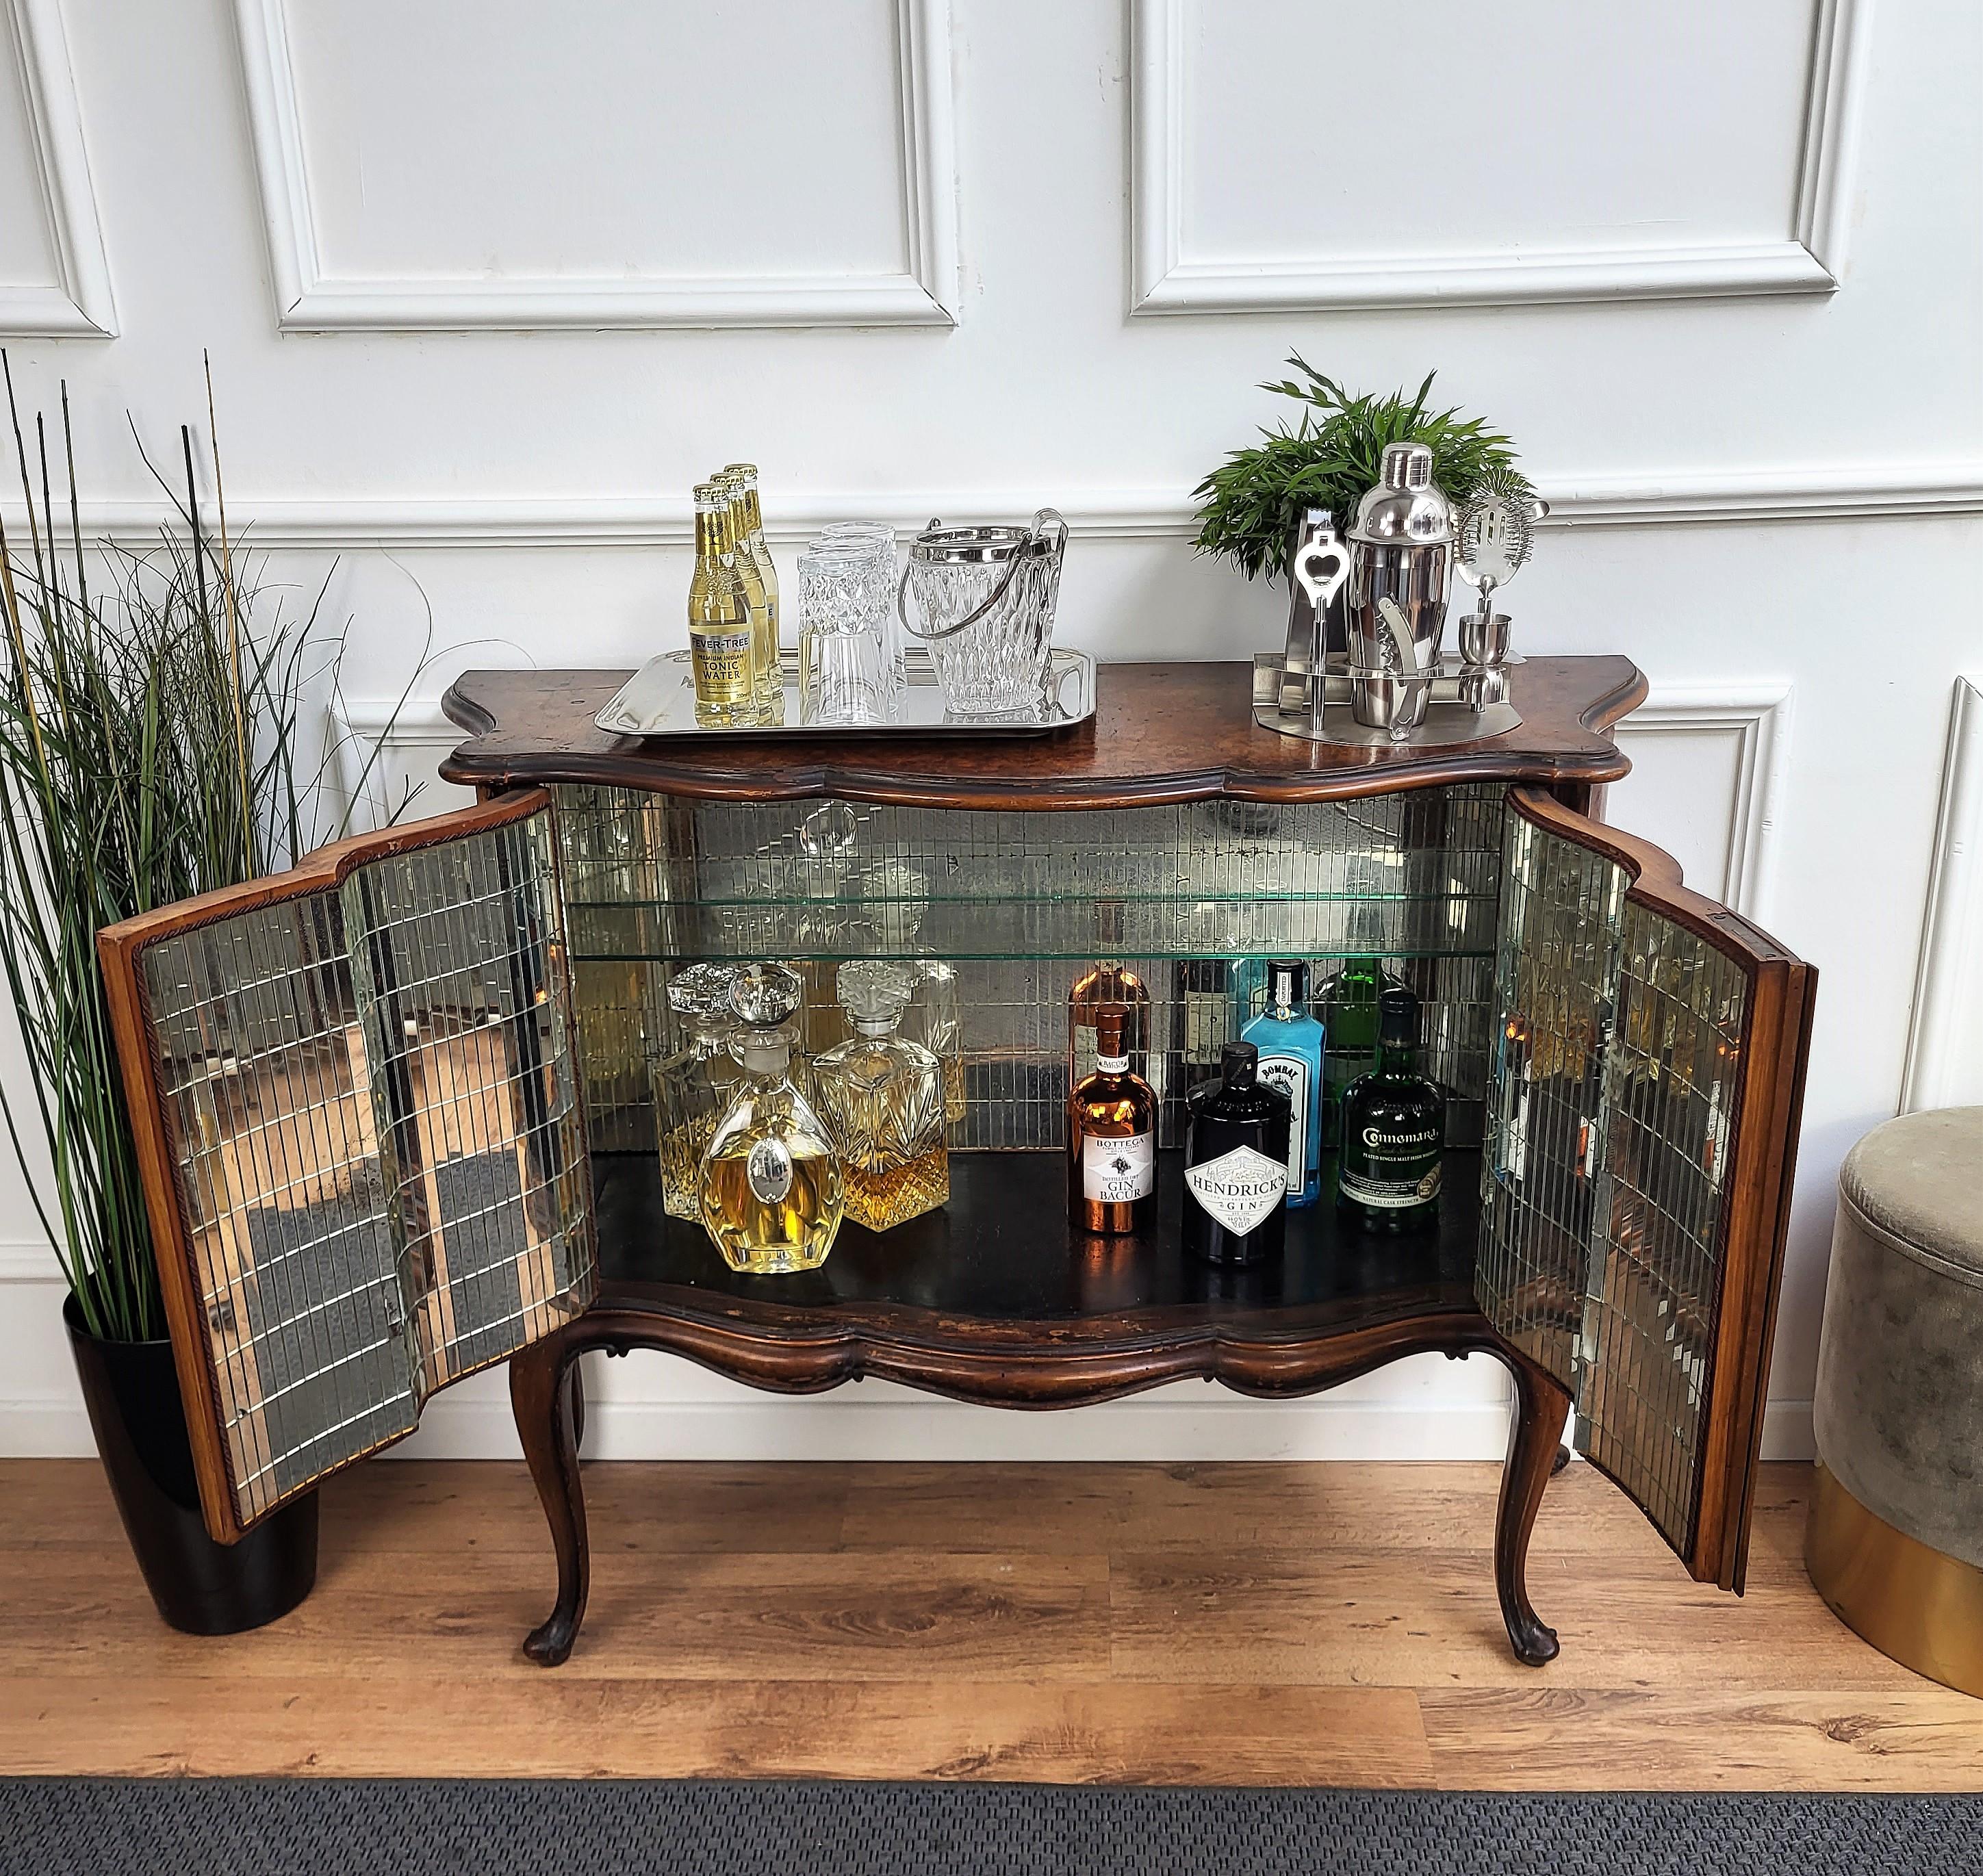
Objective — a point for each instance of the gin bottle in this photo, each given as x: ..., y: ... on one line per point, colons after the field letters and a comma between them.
x: 883, y: 1100
x: 1235, y: 1164
x: 770, y: 1185
x: 1111, y: 1138
x: 1290, y: 1042
x: 1394, y: 1131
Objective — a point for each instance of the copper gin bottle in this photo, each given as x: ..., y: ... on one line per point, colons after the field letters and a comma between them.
x: 1112, y: 1138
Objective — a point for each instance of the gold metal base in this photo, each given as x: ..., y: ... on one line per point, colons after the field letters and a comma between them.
x: 1918, y: 1604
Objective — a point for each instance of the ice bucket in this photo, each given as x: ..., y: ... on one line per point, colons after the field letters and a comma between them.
x: 982, y: 599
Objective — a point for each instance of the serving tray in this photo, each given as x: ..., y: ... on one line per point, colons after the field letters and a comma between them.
x: 659, y: 700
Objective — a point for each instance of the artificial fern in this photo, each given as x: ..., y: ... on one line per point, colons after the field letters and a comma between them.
x: 1249, y: 504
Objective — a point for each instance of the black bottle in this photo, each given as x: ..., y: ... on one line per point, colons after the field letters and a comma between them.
x: 1235, y: 1164
x: 1393, y: 1131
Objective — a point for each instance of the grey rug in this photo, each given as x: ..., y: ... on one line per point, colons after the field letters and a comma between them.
x: 248, y: 1827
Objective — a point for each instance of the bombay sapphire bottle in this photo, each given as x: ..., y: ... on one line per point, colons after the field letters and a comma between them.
x: 1290, y: 1042
x: 1235, y: 1164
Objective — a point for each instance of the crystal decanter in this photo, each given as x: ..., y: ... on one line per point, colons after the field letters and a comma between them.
x: 771, y: 1186
x: 883, y: 1098
x: 693, y: 1085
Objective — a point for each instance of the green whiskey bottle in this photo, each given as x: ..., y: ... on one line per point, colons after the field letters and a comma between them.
x: 1393, y: 1131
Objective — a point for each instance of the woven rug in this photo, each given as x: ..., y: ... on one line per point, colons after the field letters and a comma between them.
x: 248, y: 1827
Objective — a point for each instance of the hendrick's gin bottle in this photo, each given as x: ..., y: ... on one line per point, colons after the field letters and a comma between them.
x: 1235, y: 1164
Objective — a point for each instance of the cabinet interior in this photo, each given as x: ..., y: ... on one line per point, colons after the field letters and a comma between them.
x: 1193, y: 898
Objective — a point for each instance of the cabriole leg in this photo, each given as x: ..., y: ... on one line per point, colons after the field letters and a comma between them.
x: 1541, y: 1407
x: 543, y: 1395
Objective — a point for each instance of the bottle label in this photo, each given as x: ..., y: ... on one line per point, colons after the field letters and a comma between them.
x: 1395, y: 1168
x: 1238, y: 1189
x: 1116, y: 1171
x: 723, y: 665
x: 1112, y: 1065
x: 1290, y: 1074
x: 769, y: 1171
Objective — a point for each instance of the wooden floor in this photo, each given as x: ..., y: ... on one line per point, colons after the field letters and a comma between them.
x: 1310, y: 1624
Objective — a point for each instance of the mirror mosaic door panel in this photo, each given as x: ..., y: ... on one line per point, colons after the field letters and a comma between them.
x: 1611, y: 1248
x: 365, y: 1089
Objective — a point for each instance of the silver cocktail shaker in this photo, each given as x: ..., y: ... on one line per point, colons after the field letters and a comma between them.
x: 1400, y: 569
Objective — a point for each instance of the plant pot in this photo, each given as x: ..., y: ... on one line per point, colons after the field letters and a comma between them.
x: 204, y: 1588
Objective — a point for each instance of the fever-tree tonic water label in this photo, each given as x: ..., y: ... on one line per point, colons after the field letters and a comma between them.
x: 725, y: 670
x: 1238, y: 1189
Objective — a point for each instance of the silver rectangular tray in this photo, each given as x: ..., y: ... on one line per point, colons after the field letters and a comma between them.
x: 659, y: 700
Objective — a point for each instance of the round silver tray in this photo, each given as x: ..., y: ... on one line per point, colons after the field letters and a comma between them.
x: 659, y: 700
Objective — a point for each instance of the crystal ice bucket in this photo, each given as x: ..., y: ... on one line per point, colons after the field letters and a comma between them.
x: 982, y: 599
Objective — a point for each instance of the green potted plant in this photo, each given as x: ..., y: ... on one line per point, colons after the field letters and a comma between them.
x: 1248, y: 506
x: 152, y: 712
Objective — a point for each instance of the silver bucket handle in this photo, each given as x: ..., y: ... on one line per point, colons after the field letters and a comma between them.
x: 1044, y: 521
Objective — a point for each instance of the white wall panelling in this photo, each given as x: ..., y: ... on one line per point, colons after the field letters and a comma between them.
x: 1945, y: 1065
x: 74, y: 301
x: 744, y: 87
x: 1753, y: 720
x: 1439, y: 103
x: 1650, y: 499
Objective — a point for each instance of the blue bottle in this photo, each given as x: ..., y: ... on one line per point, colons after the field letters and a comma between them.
x: 1290, y: 1042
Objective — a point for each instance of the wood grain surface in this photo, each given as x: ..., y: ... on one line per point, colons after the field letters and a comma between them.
x: 1264, y: 1624
x: 1160, y: 733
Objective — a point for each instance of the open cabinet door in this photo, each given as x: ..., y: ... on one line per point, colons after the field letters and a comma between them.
x: 1641, y: 1134
x: 352, y: 1090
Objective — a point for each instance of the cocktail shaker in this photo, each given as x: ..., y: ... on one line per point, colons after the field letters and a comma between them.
x: 1400, y: 570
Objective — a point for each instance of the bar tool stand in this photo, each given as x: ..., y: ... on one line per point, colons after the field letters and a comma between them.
x: 1390, y: 686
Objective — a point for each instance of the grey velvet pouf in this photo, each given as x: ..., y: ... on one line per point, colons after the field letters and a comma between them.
x: 1895, y: 1543
x: 234, y: 1826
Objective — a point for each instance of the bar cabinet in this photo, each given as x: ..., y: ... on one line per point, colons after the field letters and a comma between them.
x: 396, y: 1121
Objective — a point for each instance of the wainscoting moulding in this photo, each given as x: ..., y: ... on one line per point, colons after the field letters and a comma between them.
x: 308, y: 299
x: 1809, y: 260
x: 1756, y: 715
x: 79, y: 304
x: 1946, y: 1029
x: 1683, y: 498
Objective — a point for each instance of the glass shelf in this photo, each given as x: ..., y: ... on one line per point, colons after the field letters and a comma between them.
x: 1457, y: 925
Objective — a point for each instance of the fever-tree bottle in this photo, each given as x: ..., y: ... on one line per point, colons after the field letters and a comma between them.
x: 722, y: 637
x: 761, y: 582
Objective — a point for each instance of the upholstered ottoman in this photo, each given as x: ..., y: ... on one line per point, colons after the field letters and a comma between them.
x: 1895, y: 1541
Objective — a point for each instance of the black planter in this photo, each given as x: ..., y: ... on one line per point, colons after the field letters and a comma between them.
x: 205, y: 1588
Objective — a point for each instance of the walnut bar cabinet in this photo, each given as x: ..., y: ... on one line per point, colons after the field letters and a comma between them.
x: 394, y: 1115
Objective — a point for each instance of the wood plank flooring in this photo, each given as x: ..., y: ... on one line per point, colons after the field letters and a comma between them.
x: 1274, y: 1623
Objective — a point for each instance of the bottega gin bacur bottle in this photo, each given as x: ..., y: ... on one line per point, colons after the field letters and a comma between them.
x: 1111, y: 1137
x: 1393, y: 1131
x: 1235, y: 1163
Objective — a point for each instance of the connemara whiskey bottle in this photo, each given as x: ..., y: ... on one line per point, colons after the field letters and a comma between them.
x: 746, y: 528
x: 1235, y: 1164
x: 1393, y: 1131
x: 1112, y: 1138
x: 760, y: 582
x: 881, y: 1096
x: 771, y: 1186
x: 722, y: 640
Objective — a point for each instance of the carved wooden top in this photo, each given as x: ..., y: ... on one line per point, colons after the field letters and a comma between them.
x: 1161, y: 733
